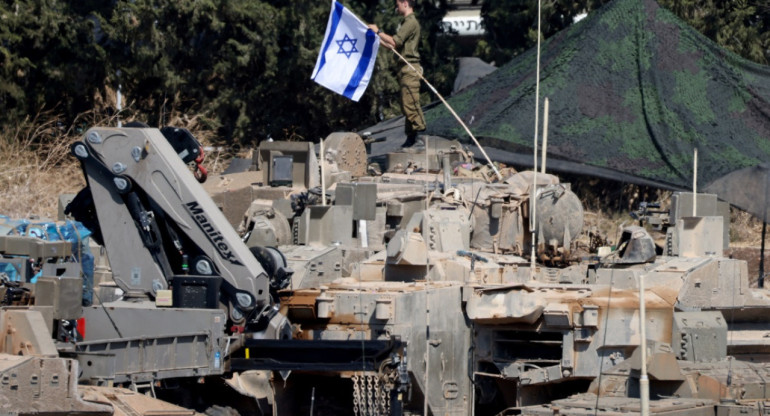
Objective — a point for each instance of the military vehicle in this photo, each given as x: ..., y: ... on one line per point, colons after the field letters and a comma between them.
x: 432, y: 288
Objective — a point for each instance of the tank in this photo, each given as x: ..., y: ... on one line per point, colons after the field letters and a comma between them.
x: 441, y: 261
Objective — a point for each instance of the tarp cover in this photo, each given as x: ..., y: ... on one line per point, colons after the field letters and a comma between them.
x: 633, y: 90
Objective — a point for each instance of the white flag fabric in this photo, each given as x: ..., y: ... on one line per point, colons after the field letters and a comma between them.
x: 347, y: 55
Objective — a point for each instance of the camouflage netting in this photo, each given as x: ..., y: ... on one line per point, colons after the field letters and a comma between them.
x: 632, y: 90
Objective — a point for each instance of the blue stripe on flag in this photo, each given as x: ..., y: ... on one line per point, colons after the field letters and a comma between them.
x: 335, y: 20
x: 363, y: 64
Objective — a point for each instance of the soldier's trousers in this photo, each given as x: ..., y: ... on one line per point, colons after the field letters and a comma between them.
x: 410, y: 99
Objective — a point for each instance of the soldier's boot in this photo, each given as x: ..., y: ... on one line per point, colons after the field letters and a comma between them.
x: 411, y: 139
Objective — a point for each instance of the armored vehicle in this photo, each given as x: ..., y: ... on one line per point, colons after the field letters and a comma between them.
x: 432, y: 288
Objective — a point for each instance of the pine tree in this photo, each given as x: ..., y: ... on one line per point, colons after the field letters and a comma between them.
x: 49, y: 59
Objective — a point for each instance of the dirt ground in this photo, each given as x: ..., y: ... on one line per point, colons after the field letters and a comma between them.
x: 751, y: 256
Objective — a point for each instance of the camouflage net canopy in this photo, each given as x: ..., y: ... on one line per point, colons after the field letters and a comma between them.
x: 632, y: 90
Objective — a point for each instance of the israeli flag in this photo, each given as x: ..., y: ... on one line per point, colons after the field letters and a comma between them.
x: 347, y: 55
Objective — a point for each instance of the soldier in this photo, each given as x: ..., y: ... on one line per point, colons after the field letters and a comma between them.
x: 405, y: 42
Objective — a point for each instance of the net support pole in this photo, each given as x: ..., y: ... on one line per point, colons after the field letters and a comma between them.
x: 695, y: 183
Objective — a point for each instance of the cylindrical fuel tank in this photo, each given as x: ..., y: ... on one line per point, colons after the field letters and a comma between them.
x: 559, y: 214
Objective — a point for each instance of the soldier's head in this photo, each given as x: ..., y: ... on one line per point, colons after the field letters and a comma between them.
x: 404, y: 7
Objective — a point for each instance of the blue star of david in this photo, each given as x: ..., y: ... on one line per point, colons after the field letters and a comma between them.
x: 352, y: 49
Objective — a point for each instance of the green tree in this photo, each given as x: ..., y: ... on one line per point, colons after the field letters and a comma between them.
x: 49, y: 59
x: 511, y: 25
x: 243, y: 68
x: 210, y: 58
x: 742, y: 26
x: 246, y: 66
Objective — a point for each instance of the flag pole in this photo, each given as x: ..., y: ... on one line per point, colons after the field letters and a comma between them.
x: 451, y: 110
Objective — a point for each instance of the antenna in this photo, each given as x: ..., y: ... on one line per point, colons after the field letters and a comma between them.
x: 323, y: 171
x: 644, y: 382
x: 533, y: 193
x: 545, y: 135
x: 120, y: 101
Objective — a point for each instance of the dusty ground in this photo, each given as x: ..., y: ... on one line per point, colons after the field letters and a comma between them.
x: 752, y: 257
x: 746, y: 242
x: 36, y: 165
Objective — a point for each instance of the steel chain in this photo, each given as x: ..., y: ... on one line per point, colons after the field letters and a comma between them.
x: 370, y: 396
x: 379, y: 396
x: 356, y: 394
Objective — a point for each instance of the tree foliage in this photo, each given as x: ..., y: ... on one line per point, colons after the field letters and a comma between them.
x: 47, y: 57
x: 243, y: 68
x: 511, y: 25
x: 218, y: 58
x: 742, y: 26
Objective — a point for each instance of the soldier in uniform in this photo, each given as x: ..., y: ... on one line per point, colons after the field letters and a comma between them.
x: 406, y: 42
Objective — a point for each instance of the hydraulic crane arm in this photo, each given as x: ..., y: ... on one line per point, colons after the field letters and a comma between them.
x: 155, y: 219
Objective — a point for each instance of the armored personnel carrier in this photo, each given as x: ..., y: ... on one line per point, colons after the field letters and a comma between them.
x: 431, y: 288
